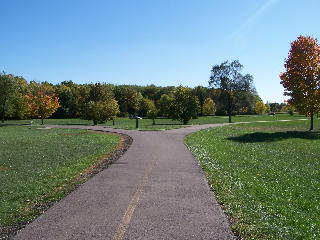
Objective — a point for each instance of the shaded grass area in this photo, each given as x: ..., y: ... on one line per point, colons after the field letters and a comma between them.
x: 265, y: 175
x: 274, y: 136
x: 68, y: 121
x: 161, y: 123
x: 38, y: 166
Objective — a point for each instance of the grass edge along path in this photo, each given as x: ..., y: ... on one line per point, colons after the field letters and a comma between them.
x: 265, y: 176
x: 94, y: 163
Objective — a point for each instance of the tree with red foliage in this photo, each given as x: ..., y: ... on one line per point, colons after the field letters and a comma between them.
x: 41, y: 102
x: 301, y: 80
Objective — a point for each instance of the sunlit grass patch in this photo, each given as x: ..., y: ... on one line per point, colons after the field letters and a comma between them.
x: 266, y: 176
x: 162, y: 123
x: 39, y: 166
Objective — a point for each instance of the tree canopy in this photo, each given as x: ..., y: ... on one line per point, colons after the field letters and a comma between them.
x: 148, y: 101
x: 100, y: 111
x: 12, y: 90
x: 184, y: 105
x: 301, y: 80
x: 260, y: 107
x: 231, y: 82
x: 41, y: 101
x: 209, y: 107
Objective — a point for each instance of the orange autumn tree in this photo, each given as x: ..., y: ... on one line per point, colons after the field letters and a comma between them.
x: 301, y: 80
x: 41, y: 101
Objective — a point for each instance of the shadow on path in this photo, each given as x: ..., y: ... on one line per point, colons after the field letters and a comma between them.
x: 277, y: 136
x: 14, y: 124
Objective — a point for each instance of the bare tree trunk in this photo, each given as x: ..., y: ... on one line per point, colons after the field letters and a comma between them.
x: 229, y: 106
x: 229, y: 111
x: 3, y: 110
x: 41, y: 121
x: 311, y: 121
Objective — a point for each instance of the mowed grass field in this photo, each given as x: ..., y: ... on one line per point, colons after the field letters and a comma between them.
x: 265, y: 175
x: 39, y: 166
x: 162, y: 123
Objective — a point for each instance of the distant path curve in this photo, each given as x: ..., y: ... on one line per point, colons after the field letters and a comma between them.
x: 156, y: 190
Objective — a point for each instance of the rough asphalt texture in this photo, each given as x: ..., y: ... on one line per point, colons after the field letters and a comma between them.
x: 156, y: 190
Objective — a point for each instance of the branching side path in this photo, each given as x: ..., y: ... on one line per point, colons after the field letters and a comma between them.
x: 156, y: 190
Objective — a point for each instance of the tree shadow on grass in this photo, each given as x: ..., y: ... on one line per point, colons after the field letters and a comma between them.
x: 76, y: 124
x: 276, y: 136
x: 14, y: 124
x: 167, y: 124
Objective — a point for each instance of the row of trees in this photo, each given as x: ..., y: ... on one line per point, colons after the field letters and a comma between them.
x: 20, y: 100
x: 101, y: 102
x: 229, y: 92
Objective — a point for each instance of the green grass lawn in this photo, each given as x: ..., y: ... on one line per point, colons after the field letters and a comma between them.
x: 39, y: 166
x: 265, y: 175
x: 166, y: 124
x: 162, y: 123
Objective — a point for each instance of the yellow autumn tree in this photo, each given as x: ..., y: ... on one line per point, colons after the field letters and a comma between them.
x: 209, y: 107
x: 260, y: 107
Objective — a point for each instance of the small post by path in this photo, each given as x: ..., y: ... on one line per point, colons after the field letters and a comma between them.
x: 137, y: 123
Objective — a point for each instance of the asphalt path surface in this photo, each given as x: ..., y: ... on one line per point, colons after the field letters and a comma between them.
x: 156, y: 190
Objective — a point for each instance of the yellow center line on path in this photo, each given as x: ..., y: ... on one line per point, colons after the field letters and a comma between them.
x: 123, y: 226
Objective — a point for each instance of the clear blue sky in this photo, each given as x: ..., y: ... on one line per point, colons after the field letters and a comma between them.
x: 162, y: 42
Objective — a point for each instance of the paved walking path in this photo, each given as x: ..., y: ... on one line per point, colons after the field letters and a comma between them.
x: 156, y: 190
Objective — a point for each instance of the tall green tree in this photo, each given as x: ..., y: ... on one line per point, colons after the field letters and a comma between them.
x: 152, y: 112
x: 64, y: 93
x: 128, y: 99
x: 164, y: 105
x: 100, y: 92
x: 99, y: 104
x: 12, y: 90
x: 184, y: 105
x: 201, y: 93
x: 145, y: 106
x: 100, y: 111
x: 150, y: 92
x: 228, y: 78
x: 16, y: 106
x: 276, y: 107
